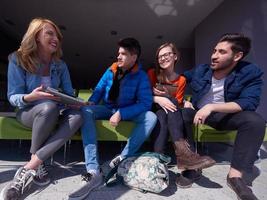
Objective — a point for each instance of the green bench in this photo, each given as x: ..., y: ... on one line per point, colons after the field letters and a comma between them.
x: 13, y: 130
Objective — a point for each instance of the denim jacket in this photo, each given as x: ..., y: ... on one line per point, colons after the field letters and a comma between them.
x: 242, y: 86
x: 21, y: 82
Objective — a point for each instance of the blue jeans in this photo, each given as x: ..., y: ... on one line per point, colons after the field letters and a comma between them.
x: 145, y: 123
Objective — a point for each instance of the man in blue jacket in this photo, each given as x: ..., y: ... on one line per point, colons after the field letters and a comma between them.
x: 225, y: 96
x: 126, y: 94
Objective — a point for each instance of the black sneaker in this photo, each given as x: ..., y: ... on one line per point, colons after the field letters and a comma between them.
x: 194, y: 175
x: 89, y: 182
x: 115, y: 161
x: 242, y: 191
x: 187, y: 178
x: 41, y: 178
x: 20, y: 183
x: 183, y: 182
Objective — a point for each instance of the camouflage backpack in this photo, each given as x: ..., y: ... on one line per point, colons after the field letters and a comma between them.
x: 146, y: 172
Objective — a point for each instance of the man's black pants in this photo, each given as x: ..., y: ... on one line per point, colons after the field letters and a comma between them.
x: 250, y: 128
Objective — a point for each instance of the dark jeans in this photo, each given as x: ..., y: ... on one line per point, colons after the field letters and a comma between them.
x: 250, y: 128
x: 170, y: 123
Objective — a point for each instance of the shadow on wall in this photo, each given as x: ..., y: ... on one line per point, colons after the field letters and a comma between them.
x: 255, y: 26
x: 258, y: 31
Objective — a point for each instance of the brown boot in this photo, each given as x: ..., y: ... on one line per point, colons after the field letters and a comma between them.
x: 187, y: 159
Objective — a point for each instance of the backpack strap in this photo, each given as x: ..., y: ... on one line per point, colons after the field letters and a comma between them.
x: 110, y: 174
x: 166, y: 159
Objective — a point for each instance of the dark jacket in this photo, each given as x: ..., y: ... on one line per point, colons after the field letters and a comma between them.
x: 135, y: 95
x: 242, y: 86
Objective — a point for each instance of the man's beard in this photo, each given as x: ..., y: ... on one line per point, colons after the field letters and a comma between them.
x: 223, y: 66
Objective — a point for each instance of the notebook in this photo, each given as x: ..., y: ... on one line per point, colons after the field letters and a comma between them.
x: 66, y: 99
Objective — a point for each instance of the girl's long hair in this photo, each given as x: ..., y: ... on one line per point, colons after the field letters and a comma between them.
x: 27, y: 53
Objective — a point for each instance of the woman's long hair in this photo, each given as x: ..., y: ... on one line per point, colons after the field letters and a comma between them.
x: 27, y: 53
x: 159, y: 71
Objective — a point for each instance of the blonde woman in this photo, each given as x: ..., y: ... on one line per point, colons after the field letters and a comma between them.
x: 36, y: 64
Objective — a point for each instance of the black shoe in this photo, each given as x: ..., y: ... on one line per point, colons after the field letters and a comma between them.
x: 41, y: 178
x: 193, y: 175
x: 242, y: 191
x: 183, y: 182
x: 187, y: 178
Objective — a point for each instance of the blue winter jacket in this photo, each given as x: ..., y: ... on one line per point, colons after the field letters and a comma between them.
x: 135, y: 94
x: 21, y: 82
x: 242, y: 86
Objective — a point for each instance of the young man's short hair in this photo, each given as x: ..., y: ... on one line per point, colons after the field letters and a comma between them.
x: 132, y: 45
x: 240, y: 43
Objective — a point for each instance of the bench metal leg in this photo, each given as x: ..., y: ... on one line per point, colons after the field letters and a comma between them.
x: 196, y: 139
x: 20, y: 144
x: 65, y: 153
x: 66, y: 145
x: 204, y: 148
x: 52, y: 159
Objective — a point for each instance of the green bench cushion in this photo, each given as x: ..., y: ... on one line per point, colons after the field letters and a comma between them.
x: 85, y: 94
x: 106, y: 132
x: 10, y: 128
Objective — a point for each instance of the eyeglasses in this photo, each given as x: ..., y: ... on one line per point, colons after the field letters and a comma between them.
x: 165, y: 56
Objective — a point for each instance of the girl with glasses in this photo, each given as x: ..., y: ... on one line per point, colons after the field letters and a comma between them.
x: 168, y: 90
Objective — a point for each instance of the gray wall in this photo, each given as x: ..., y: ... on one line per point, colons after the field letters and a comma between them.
x: 246, y: 16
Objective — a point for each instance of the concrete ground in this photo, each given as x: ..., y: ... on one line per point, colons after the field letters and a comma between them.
x: 66, y: 176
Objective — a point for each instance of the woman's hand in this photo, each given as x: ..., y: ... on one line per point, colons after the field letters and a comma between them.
x: 38, y: 94
x: 165, y: 104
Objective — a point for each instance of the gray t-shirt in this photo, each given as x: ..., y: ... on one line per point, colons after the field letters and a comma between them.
x: 215, y: 94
